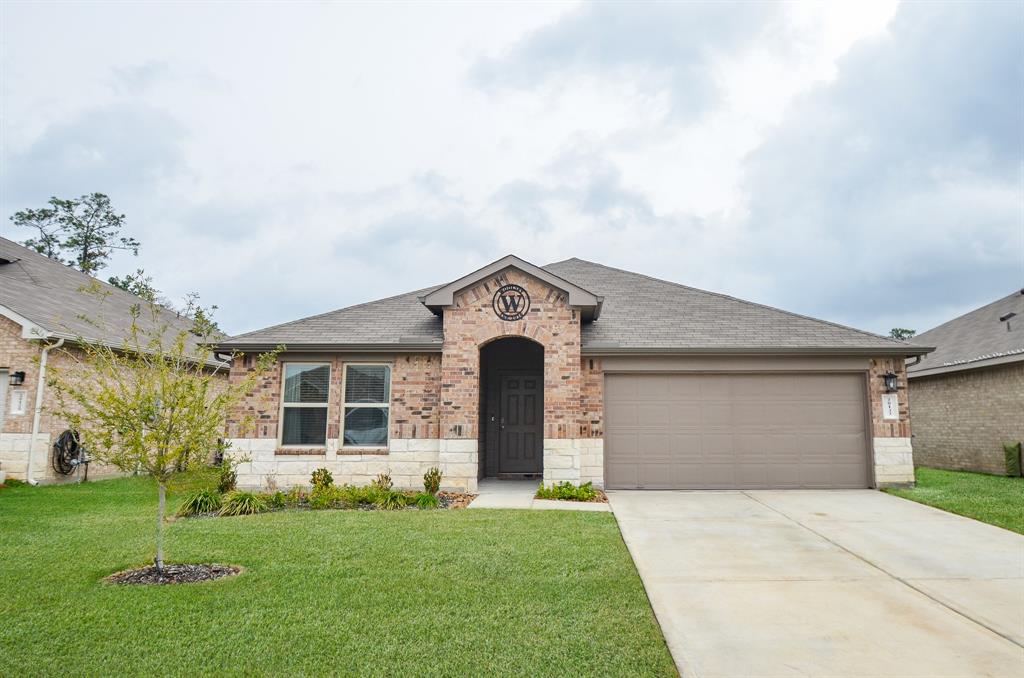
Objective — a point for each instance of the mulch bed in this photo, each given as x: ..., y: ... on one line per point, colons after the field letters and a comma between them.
x: 455, y: 500
x: 183, y: 573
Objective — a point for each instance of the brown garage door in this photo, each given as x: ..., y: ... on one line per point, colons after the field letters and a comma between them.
x: 724, y: 431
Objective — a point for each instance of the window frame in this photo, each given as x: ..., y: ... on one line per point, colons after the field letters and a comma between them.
x: 345, y: 405
x: 325, y: 405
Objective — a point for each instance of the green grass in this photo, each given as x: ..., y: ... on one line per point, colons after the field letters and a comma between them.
x: 339, y: 592
x: 991, y: 499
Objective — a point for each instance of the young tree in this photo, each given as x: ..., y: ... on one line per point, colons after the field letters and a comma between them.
x: 88, y: 229
x: 138, y: 283
x: 152, y: 404
x: 901, y: 333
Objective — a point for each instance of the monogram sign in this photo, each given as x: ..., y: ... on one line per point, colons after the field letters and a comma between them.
x: 511, y: 302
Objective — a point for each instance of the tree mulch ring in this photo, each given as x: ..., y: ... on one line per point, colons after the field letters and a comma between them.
x: 181, y: 573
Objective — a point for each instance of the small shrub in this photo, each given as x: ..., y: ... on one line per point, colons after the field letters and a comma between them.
x: 426, y: 500
x: 323, y: 497
x: 14, y: 482
x: 322, y: 478
x: 432, y: 480
x: 296, y: 496
x: 351, y: 496
x: 566, y: 491
x: 383, y: 481
x: 277, y: 500
x: 240, y: 503
x: 199, y: 502
x: 389, y: 500
x: 270, y: 483
x: 228, y: 478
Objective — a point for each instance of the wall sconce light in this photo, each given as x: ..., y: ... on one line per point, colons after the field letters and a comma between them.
x: 17, y: 378
x: 891, y: 382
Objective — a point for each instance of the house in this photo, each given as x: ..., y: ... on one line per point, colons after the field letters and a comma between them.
x: 576, y: 372
x: 45, y: 309
x: 969, y: 394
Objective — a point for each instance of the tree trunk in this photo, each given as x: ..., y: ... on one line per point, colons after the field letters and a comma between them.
x: 162, y: 489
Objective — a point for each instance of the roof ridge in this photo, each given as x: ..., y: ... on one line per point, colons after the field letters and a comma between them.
x: 743, y: 301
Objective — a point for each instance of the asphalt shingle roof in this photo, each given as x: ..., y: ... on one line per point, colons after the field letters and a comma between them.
x: 975, y: 339
x: 639, y: 313
x: 51, y: 295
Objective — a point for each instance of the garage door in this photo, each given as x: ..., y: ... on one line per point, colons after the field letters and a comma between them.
x: 727, y: 431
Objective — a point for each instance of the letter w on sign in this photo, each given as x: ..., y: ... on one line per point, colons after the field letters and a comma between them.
x: 511, y: 302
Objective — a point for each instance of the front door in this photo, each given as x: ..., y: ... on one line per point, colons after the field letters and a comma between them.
x: 520, y: 424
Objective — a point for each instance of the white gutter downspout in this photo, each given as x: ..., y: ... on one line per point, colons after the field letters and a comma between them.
x: 40, y: 387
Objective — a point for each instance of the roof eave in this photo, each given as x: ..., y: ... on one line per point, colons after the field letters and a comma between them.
x: 965, y: 367
x: 29, y: 328
x: 897, y: 351
x: 304, y: 347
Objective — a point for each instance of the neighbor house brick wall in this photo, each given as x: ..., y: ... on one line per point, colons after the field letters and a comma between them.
x: 961, y: 419
x: 18, y: 355
x: 22, y: 355
x: 471, y: 322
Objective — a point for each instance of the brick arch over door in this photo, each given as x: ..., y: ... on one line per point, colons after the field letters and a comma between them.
x: 470, y: 323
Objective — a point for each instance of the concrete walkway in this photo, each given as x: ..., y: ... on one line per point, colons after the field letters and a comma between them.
x: 518, y: 494
x: 826, y: 583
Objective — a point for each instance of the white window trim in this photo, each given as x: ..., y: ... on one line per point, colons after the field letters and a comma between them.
x: 345, y: 405
x: 325, y: 405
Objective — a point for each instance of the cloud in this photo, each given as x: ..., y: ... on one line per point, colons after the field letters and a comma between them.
x: 123, y: 150
x: 665, y: 46
x: 896, y: 187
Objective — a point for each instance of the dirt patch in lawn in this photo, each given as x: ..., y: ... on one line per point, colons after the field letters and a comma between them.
x: 184, y: 573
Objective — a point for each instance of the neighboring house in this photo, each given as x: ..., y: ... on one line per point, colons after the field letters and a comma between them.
x: 969, y: 394
x: 576, y: 372
x: 44, y: 309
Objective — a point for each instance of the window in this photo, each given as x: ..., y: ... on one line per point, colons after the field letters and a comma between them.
x: 367, y: 403
x: 304, y: 416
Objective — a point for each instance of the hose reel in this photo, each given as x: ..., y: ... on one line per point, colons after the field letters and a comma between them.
x: 69, y: 454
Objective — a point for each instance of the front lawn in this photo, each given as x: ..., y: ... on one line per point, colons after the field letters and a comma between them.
x: 992, y: 499
x: 341, y: 592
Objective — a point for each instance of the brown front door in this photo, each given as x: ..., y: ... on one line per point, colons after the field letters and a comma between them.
x: 521, y: 415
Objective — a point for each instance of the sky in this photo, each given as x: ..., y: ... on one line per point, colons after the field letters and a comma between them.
x: 859, y: 162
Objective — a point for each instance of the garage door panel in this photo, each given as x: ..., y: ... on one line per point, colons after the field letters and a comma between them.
x: 654, y: 415
x: 736, y: 431
x: 687, y: 448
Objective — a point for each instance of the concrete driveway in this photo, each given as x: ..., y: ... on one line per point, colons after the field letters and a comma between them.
x: 826, y: 583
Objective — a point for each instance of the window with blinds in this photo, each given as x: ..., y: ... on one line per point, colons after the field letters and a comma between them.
x: 304, y: 405
x: 367, y: 405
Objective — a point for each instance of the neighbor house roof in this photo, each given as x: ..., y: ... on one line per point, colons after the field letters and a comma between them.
x: 639, y: 314
x: 50, y: 301
x: 987, y: 336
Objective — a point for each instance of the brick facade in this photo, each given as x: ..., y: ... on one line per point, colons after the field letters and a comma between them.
x: 471, y: 323
x: 436, y: 401
x: 961, y: 419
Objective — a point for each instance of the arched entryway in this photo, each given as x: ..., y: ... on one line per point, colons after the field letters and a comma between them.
x: 511, y: 409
